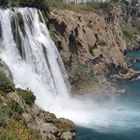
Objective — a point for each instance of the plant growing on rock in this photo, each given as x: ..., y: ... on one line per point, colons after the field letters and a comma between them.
x: 27, y: 96
x: 14, y: 110
x: 18, y: 129
x: 4, y: 135
x: 6, y: 85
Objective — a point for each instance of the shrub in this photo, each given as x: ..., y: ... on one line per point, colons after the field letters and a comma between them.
x: 130, y: 32
x: 11, y: 109
x: 136, y: 24
x: 55, y: 3
x: 27, y: 96
x: 6, y: 85
x: 14, y: 109
x: 4, y: 135
x: 3, y: 114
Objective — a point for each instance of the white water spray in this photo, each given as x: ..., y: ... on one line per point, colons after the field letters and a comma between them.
x: 35, y: 63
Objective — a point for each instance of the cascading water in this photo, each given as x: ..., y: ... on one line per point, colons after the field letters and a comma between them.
x: 36, y: 59
x: 30, y: 54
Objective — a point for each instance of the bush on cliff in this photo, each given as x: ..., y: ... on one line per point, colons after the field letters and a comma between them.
x: 6, y: 85
x: 27, y: 96
x: 41, y: 4
x: 14, y: 109
x: 10, y: 109
x: 130, y: 32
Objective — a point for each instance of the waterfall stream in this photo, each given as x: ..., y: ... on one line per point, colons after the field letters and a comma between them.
x: 30, y: 54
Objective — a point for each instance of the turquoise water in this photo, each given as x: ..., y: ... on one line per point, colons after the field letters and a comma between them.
x: 123, y: 124
x: 133, y: 54
x: 136, y: 65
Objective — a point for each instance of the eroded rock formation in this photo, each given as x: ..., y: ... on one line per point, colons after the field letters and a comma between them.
x: 91, y: 47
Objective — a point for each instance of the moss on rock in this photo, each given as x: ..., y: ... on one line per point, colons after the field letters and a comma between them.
x: 65, y: 125
x: 47, y: 116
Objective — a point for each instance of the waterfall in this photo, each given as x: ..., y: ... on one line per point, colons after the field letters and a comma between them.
x: 27, y: 49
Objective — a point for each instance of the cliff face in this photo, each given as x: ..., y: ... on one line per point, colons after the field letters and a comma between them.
x: 92, y: 46
x: 21, y: 118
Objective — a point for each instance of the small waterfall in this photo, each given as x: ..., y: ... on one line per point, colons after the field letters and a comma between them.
x: 27, y: 49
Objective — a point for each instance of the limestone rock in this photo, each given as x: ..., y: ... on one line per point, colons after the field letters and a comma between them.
x: 67, y: 136
x: 65, y: 125
x: 90, y: 45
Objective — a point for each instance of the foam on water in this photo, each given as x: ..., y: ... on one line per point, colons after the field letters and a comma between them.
x: 37, y: 65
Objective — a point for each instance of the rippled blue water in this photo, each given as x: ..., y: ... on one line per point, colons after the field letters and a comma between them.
x: 131, y: 100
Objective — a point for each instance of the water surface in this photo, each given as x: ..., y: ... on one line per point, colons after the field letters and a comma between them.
x: 124, y: 120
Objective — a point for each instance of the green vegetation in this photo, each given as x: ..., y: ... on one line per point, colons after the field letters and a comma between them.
x: 49, y: 117
x: 53, y: 36
x: 22, y: 2
x: 6, y: 85
x: 12, y: 124
x: 19, y: 130
x: 81, y: 74
x: 27, y: 96
x: 130, y: 32
x: 41, y: 4
x: 14, y: 110
x: 136, y: 24
x: 10, y: 110
x: 90, y: 6
x: 65, y: 125
x: 53, y: 3
x: 4, y: 135
x: 45, y: 4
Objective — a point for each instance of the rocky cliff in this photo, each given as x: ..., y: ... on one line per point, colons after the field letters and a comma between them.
x: 92, y: 46
x: 22, y: 119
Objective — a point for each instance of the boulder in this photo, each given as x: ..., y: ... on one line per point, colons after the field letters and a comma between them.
x: 65, y: 125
